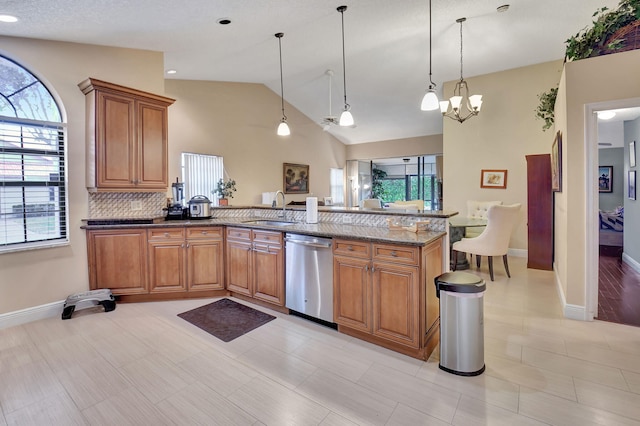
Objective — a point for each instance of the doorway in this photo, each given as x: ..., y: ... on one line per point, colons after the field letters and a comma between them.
x: 613, y: 293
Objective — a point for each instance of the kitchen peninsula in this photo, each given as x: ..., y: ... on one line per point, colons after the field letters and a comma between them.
x: 383, y: 278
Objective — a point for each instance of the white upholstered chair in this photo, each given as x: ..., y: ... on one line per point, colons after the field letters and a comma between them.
x: 372, y: 203
x: 477, y: 210
x: 494, y: 240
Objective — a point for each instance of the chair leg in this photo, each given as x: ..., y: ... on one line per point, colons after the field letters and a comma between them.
x: 454, y: 259
x: 478, y: 260
x: 491, y: 267
x: 506, y: 265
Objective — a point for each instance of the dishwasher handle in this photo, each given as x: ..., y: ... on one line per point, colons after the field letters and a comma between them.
x: 308, y: 243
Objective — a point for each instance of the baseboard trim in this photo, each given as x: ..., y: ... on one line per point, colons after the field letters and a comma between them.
x: 631, y: 262
x: 518, y: 252
x: 23, y: 316
x: 574, y: 312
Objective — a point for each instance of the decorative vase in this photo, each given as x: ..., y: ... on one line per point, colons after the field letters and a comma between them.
x: 223, y: 202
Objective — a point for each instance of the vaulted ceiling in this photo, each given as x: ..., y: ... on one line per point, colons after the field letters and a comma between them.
x: 386, y: 44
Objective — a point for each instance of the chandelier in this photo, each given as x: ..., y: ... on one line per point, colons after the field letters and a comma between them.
x: 461, y: 106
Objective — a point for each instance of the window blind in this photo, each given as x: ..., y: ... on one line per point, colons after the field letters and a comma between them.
x: 200, y: 174
x: 32, y: 183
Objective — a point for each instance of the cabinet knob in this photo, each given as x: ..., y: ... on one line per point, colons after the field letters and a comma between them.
x: 182, y: 245
x: 350, y: 248
x: 166, y: 234
x: 203, y: 232
x: 366, y: 268
x: 394, y: 253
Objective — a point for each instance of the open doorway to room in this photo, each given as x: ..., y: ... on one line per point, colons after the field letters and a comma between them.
x: 618, y: 277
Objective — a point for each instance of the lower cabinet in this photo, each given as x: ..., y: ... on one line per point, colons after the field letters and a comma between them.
x: 155, y: 261
x: 118, y: 260
x: 382, y: 293
x: 255, y: 264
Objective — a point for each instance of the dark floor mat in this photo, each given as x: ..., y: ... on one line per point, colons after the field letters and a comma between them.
x: 226, y: 319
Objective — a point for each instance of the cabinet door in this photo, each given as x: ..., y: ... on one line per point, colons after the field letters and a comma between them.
x: 351, y: 292
x: 239, y: 266
x: 151, y: 164
x: 118, y: 260
x: 205, y: 265
x: 167, y: 266
x: 432, y: 266
x: 396, y: 303
x: 268, y: 273
x: 115, y: 141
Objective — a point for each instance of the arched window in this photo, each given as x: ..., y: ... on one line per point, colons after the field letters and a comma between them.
x: 33, y: 210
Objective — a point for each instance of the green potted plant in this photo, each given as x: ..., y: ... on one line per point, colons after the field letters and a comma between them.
x: 377, y: 190
x: 611, y: 31
x: 545, y: 110
x: 225, y: 190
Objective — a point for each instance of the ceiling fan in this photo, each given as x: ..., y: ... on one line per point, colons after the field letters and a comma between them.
x: 329, y: 120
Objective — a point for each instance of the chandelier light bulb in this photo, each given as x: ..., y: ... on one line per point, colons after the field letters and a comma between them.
x: 283, y: 129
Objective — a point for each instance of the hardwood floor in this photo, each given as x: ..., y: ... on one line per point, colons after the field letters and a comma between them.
x: 143, y: 365
x: 618, y: 290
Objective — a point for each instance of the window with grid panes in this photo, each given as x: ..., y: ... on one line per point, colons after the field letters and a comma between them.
x: 33, y: 195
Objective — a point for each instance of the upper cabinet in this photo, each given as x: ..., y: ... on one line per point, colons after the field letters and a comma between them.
x: 126, y: 138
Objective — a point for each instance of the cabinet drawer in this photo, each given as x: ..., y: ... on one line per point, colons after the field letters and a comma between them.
x: 352, y: 248
x: 202, y: 232
x: 157, y: 234
x: 239, y: 234
x: 267, y: 237
x: 397, y: 254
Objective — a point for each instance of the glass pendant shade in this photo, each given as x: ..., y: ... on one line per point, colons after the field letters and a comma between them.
x: 346, y: 119
x: 476, y: 102
x: 283, y: 129
x: 429, y: 101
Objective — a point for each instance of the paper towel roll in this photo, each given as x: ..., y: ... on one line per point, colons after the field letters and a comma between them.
x: 312, y: 209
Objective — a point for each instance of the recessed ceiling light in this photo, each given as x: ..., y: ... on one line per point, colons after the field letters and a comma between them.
x: 606, y: 115
x: 8, y: 18
x: 171, y: 71
x: 224, y: 21
x: 503, y: 8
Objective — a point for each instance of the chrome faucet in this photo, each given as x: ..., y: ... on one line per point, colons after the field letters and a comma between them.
x: 284, y: 204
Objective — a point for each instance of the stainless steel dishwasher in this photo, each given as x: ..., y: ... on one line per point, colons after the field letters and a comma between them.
x: 309, y: 276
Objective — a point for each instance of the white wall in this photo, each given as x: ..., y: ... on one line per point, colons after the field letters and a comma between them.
x: 505, y: 131
x: 631, y: 207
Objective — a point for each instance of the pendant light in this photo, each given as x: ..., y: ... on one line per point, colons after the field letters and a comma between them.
x: 430, y: 99
x: 283, y: 127
x: 461, y: 98
x: 346, y: 119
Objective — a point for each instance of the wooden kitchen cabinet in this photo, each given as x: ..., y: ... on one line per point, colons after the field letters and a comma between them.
x: 382, y: 294
x: 185, y: 259
x: 127, y: 141
x: 118, y: 260
x: 255, y: 264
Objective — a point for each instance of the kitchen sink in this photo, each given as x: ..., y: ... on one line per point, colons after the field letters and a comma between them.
x: 269, y: 222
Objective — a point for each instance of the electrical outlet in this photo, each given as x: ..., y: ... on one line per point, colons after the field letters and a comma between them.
x: 136, y: 205
x: 346, y: 218
x: 257, y: 213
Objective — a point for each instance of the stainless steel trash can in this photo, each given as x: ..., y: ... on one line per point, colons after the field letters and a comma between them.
x: 461, y: 297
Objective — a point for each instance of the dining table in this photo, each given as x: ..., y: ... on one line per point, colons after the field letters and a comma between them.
x: 457, y: 226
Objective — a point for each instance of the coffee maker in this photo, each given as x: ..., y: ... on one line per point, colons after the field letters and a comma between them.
x: 176, y: 210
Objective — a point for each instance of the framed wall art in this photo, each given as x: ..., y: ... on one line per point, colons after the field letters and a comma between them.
x: 295, y: 178
x: 605, y: 179
x: 556, y: 163
x: 493, y: 179
x: 632, y: 185
x: 632, y: 154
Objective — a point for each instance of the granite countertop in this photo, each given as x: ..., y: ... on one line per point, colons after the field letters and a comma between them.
x: 330, y: 230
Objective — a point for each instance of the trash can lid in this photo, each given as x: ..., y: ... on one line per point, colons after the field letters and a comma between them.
x: 460, y: 282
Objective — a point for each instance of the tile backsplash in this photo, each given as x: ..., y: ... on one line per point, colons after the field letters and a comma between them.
x: 126, y: 204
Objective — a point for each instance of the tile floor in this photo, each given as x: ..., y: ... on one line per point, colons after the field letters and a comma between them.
x: 142, y: 365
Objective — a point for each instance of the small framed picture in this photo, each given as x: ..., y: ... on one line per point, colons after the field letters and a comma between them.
x: 295, y: 178
x: 328, y: 201
x: 632, y: 185
x: 493, y: 179
x: 632, y: 154
x: 605, y: 179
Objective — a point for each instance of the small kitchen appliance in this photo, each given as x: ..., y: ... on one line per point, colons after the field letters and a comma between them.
x: 177, y: 210
x: 200, y: 207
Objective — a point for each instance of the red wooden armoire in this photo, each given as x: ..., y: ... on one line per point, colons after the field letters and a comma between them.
x: 539, y: 212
